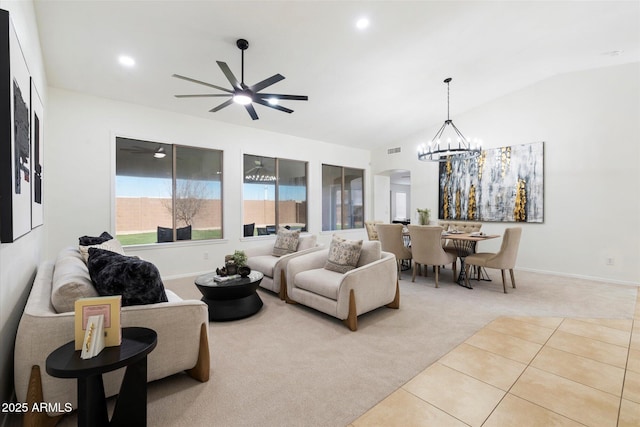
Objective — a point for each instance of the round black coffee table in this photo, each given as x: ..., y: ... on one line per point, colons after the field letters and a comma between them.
x: 131, y: 405
x: 232, y: 299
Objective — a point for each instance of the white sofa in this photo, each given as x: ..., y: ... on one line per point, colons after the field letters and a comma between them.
x: 181, y: 325
x: 274, y: 268
x: 372, y: 284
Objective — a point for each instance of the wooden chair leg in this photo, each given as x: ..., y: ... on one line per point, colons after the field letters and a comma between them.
x: 504, y: 286
x: 34, y: 395
x: 202, y: 369
x: 396, y: 301
x: 416, y: 266
x: 466, y: 275
x: 455, y: 270
x: 437, y: 274
x: 352, y: 320
x: 513, y: 280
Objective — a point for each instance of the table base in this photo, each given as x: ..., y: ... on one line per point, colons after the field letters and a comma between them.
x: 233, y: 309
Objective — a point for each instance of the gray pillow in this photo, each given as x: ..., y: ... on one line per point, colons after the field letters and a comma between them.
x: 286, y: 242
x: 343, y: 254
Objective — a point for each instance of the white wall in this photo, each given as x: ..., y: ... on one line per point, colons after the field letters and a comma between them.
x: 590, y: 124
x: 81, y: 173
x: 18, y: 260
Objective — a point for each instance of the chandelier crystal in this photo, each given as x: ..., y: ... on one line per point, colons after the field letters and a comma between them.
x: 441, y: 149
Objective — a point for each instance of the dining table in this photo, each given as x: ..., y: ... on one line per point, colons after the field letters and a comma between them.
x: 465, y: 244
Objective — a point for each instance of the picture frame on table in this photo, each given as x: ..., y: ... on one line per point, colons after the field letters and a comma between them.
x: 15, y: 136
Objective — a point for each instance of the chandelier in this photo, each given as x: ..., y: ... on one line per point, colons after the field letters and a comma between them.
x: 440, y: 150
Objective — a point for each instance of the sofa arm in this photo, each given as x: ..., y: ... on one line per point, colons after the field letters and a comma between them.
x: 374, y: 285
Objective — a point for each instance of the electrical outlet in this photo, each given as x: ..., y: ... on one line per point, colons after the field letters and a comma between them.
x: 206, y: 255
x: 609, y: 261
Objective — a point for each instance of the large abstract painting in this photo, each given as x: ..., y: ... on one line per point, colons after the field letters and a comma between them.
x: 502, y: 184
x: 15, y: 148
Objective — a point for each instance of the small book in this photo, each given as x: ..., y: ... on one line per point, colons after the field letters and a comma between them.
x: 109, y: 308
x: 93, y: 342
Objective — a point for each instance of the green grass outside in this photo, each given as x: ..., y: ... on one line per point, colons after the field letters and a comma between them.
x: 152, y: 237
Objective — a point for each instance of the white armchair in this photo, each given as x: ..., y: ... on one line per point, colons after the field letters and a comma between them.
x: 372, y: 284
x: 272, y: 267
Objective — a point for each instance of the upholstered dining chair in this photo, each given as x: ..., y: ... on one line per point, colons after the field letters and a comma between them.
x: 372, y: 233
x: 505, y: 259
x: 426, y: 248
x: 390, y: 236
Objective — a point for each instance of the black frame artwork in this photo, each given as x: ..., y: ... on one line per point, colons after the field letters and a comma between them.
x: 37, y: 151
x: 15, y: 133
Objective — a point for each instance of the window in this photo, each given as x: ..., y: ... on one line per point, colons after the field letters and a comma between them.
x: 275, y: 194
x: 342, y: 198
x: 166, y: 193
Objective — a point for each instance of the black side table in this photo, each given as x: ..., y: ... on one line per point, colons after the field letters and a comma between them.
x: 131, y: 405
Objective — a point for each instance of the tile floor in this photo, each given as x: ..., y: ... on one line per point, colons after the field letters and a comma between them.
x: 525, y: 371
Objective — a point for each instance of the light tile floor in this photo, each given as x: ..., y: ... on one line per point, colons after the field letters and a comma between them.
x: 526, y: 371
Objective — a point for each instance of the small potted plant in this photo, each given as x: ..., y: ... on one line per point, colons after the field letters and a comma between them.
x: 423, y: 216
x: 240, y: 260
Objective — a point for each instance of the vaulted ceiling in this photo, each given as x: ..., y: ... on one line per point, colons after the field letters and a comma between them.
x: 367, y: 88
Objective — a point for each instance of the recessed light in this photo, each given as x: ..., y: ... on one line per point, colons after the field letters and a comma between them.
x: 362, y: 23
x: 126, y: 61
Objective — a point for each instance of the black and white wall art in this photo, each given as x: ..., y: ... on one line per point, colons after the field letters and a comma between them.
x: 503, y: 184
x: 37, y: 158
x: 15, y: 145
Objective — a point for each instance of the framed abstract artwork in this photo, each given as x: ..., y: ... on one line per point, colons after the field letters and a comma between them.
x: 37, y: 157
x: 502, y: 184
x: 15, y: 147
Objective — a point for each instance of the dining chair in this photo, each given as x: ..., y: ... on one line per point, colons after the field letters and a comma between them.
x: 372, y: 233
x: 426, y: 248
x: 390, y: 236
x: 505, y: 259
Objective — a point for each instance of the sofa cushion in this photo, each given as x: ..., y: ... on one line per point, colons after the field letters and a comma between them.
x: 70, y: 281
x: 320, y: 281
x: 136, y: 280
x: 92, y: 240
x: 343, y: 254
x: 371, y: 251
x: 112, y: 245
x: 265, y: 264
x: 286, y: 242
x: 307, y: 242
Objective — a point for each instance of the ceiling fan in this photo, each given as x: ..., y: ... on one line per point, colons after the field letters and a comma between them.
x: 242, y: 93
x: 158, y: 153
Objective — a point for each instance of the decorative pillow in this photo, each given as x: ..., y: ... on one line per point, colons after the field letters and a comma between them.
x: 89, y: 240
x: 112, y: 245
x: 286, y: 242
x: 136, y: 280
x: 343, y: 254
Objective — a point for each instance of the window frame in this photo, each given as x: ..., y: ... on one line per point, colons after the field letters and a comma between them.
x: 343, y: 205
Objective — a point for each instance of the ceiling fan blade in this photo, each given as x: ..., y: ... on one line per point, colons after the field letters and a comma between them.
x: 221, y: 106
x: 204, y: 95
x: 287, y: 97
x: 251, y: 111
x: 276, y: 106
x: 229, y: 75
x: 266, y: 82
x: 189, y: 79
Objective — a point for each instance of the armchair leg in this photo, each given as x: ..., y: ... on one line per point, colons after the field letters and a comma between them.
x: 285, y: 295
x: 396, y: 301
x: 352, y: 321
x: 504, y: 286
x: 201, y: 371
x: 34, y: 395
x: 283, y: 285
x: 513, y: 280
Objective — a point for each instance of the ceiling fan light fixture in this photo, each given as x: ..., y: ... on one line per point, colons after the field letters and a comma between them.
x: 242, y: 98
x: 273, y: 101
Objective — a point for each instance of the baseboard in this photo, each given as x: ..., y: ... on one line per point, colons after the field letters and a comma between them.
x: 182, y: 276
x: 580, y: 276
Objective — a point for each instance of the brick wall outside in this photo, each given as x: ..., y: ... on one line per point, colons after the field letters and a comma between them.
x: 139, y: 215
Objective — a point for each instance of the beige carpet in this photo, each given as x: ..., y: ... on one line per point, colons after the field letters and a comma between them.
x: 292, y: 366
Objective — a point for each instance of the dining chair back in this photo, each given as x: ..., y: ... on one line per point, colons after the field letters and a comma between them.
x: 426, y: 247
x: 372, y: 233
x: 505, y: 259
x: 390, y: 236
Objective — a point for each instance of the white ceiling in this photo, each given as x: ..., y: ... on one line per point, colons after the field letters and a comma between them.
x: 366, y: 88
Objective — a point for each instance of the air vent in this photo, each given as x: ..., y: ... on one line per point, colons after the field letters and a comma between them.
x: 394, y: 150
